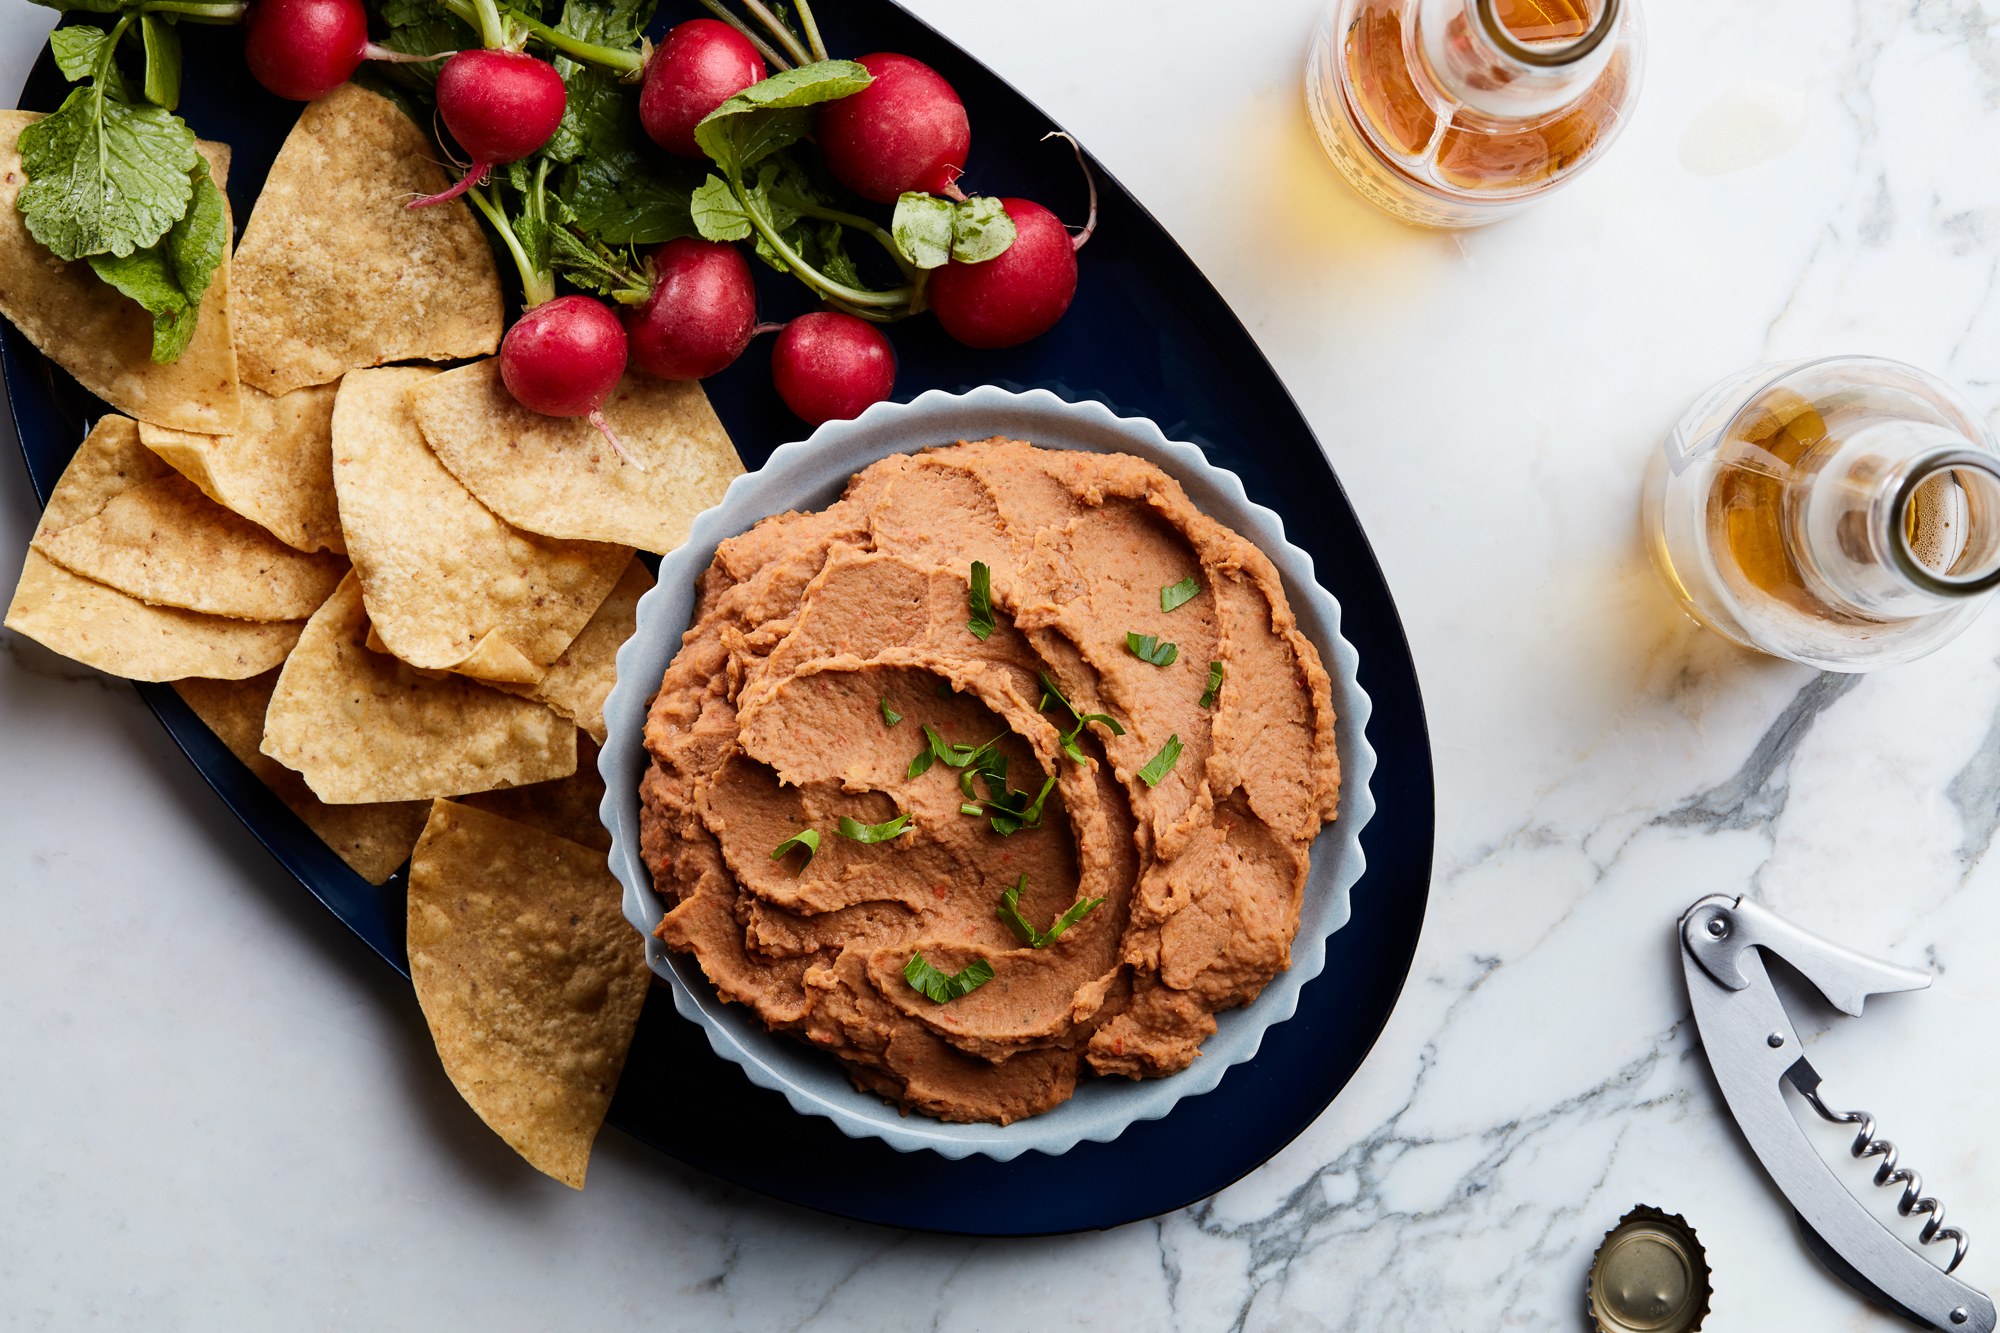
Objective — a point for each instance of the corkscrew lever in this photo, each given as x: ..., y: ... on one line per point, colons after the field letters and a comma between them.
x: 1752, y: 1044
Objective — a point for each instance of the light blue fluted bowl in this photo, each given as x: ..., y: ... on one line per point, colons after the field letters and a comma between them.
x: 811, y: 474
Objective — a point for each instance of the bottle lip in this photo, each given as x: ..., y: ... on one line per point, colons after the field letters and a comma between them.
x: 1898, y: 539
x: 1547, y: 57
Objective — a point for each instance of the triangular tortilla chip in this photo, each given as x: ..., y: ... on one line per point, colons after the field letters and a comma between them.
x: 275, y: 469
x: 373, y: 839
x: 335, y: 272
x: 101, y: 627
x: 448, y: 585
x: 96, y: 333
x: 167, y: 544
x: 568, y: 807
x: 529, y: 976
x: 576, y: 686
x: 561, y: 478
x: 362, y: 727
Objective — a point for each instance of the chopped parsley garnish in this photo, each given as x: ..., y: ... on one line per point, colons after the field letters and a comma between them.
x: 1179, y: 594
x: 937, y: 747
x: 981, y: 601
x: 1011, y: 810
x: 1148, y: 648
x: 887, y: 829
x: 1162, y: 763
x: 1052, y: 694
x: 941, y: 987
x: 890, y: 717
x: 808, y: 839
x: 1009, y: 911
x: 1214, y: 690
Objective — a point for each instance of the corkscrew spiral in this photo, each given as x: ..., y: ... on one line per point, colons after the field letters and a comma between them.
x: 1914, y: 1202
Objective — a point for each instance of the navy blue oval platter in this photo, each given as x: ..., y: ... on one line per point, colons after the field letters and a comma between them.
x: 1148, y: 337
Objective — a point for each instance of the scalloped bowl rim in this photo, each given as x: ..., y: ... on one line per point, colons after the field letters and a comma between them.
x: 811, y: 473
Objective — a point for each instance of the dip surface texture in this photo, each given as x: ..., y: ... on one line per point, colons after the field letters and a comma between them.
x: 811, y: 628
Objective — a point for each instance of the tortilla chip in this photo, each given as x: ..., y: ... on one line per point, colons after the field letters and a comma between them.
x: 567, y: 807
x: 107, y: 629
x: 335, y: 272
x: 103, y: 338
x: 561, y: 478
x: 275, y: 469
x: 529, y: 976
x: 576, y: 686
x: 122, y: 636
x: 167, y: 544
x: 373, y: 839
x: 362, y: 727
x: 448, y: 585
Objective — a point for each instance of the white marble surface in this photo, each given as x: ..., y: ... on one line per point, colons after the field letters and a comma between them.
x: 216, y: 1111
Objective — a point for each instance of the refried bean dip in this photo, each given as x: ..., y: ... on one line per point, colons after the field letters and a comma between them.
x: 814, y: 630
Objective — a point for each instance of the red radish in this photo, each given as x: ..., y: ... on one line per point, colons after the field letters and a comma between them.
x: 303, y: 49
x: 701, y: 312
x: 829, y: 366
x: 905, y: 131
x: 500, y: 106
x: 563, y: 359
x: 1019, y: 293
x: 697, y: 67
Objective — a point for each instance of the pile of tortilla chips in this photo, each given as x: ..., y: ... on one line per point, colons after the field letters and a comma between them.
x: 391, y: 592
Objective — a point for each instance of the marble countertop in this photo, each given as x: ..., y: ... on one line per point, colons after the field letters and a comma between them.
x: 218, y: 1111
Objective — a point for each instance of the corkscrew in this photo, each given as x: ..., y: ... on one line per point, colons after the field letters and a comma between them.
x: 1752, y: 1047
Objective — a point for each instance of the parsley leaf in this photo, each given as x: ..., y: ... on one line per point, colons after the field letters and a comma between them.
x: 890, y: 717
x: 808, y: 839
x: 1214, y: 690
x: 170, y: 278
x: 883, y: 832
x: 1071, y: 742
x: 1179, y: 594
x: 941, y: 987
x: 1162, y: 763
x: 1147, y: 648
x: 105, y: 176
x: 1009, y: 911
x: 980, y: 599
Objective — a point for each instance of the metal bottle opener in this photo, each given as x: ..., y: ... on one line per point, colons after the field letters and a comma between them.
x: 1752, y: 1045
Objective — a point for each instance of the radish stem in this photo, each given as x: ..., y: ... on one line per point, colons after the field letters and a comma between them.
x: 780, y: 34
x: 812, y: 30
x: 823, y: 213
x: 536, y: 286
x: 838, y: 292
x: 764, y: 48
x: 196, y: 12
x: 606, y: 57
x: 492, y: 32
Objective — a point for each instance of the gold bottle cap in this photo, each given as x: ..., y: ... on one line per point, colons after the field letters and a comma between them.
x: 1650, y: 1276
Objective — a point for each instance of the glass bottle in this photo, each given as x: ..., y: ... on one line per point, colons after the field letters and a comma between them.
x: 1454, y: 113
x: 1842, y: 512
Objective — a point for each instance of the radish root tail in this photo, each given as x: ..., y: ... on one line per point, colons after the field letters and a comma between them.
x: 471, y: 178
x: 371, y: 51
x: 1082, y: 238
x: 596, y: 418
